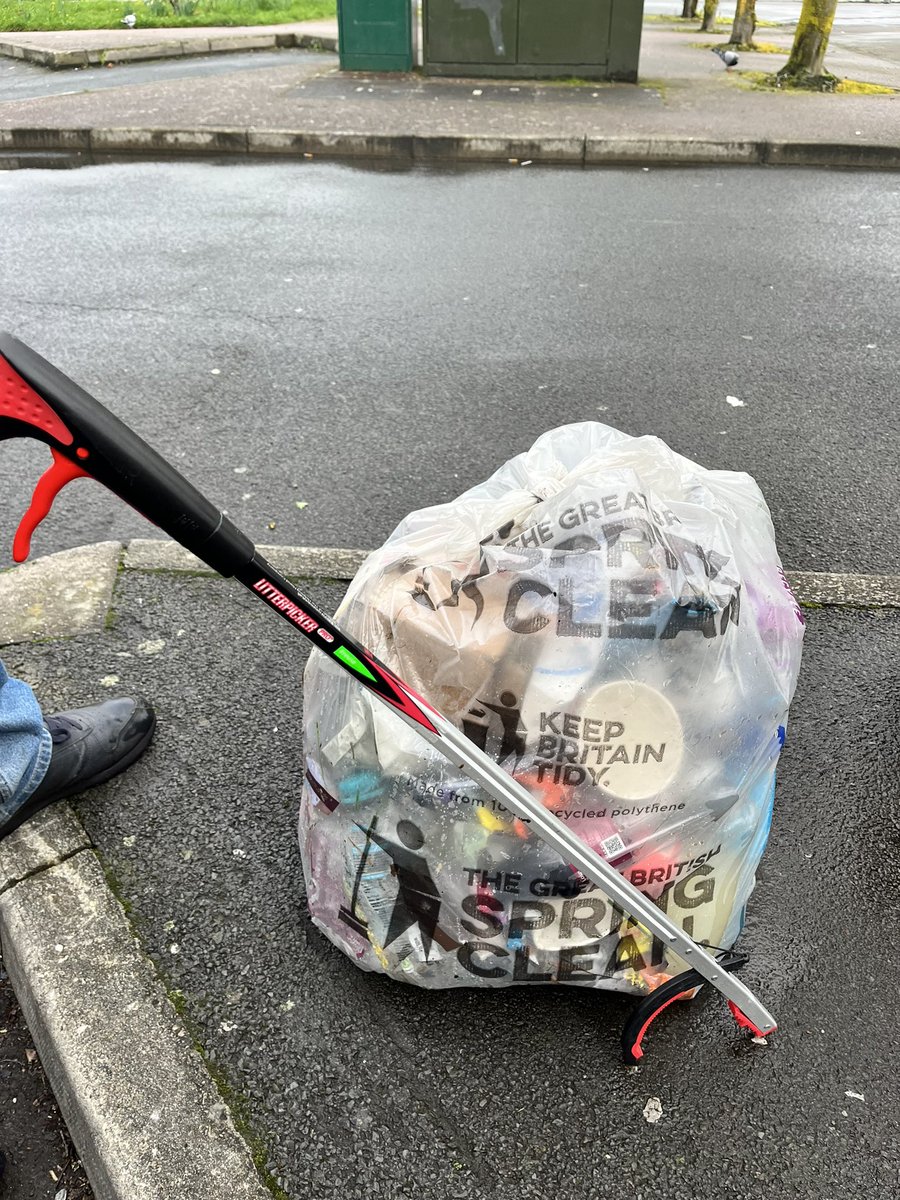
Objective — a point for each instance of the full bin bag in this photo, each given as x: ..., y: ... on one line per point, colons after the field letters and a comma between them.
x: 610, y: 622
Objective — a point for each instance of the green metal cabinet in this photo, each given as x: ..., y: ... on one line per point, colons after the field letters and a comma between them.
x: 589, y: 39
x: 375, y: 35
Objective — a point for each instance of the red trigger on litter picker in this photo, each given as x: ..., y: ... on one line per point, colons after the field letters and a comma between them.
x: 20, y: 403
x: 50, y: 484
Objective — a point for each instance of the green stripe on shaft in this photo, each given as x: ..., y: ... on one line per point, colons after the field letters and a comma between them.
x: 349, y: 659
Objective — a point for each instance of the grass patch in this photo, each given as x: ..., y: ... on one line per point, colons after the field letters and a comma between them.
x: 853, y: 87
x: 655, y: 85
x: 239, y: 1107
x: 692, y: 24
x: 721, y: 27
x: 760, y: 81
x: 573, y: 81
x: 763, y: 82
x: 19, y: 16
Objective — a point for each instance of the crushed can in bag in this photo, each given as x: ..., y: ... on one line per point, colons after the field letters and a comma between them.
x: 611, y: 623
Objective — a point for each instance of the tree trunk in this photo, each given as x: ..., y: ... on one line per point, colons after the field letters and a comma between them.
x: 806, y: 63
x: 689, y: 9
x: 744, y: 25
x: 708, y: 25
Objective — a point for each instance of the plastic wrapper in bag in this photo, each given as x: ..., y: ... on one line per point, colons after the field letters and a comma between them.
x: 611, y: 623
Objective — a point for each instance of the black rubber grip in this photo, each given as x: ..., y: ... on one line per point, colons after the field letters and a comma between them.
x: 115, y: 456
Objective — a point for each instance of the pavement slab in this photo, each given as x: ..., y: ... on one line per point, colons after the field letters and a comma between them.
x: 683, y: 93
x: 48, y: 839
x: 58, y: 595
x: 358, y: 1085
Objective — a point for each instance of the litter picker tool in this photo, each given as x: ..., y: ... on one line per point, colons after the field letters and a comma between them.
x: 86, y: 440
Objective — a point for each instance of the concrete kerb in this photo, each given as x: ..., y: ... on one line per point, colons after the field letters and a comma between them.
x: 660, y: 151
x: 168, y: 141
x: 104, y: 145
x: 37, y: 138
x: 296, y: 562
x: 416, y: 148
x: 140, y: 1104
x: 143, y: 1110
x: 816, y: 589
x: 170, y: 47
x: 48, y: 160
x: 591, y: 151
x: 308, y: 41
x: 865, y: 155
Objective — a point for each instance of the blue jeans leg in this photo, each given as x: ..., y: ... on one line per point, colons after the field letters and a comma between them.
x: 25, y: 744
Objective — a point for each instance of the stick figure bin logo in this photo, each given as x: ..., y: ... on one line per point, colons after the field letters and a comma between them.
x: 484, y: 721
x: 418, y: 902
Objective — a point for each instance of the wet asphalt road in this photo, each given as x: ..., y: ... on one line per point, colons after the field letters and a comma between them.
x: 365, y: 343
x: 362, y: 1087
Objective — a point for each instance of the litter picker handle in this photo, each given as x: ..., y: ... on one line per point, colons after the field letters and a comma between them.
x: 87, y: 440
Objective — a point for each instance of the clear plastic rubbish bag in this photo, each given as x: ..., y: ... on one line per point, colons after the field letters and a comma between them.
x: 610, y: 622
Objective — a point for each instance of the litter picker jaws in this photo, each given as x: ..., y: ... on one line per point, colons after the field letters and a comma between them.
x: 86, y: 440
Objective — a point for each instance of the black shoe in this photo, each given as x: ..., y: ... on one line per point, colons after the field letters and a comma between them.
x: 90, y: 745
